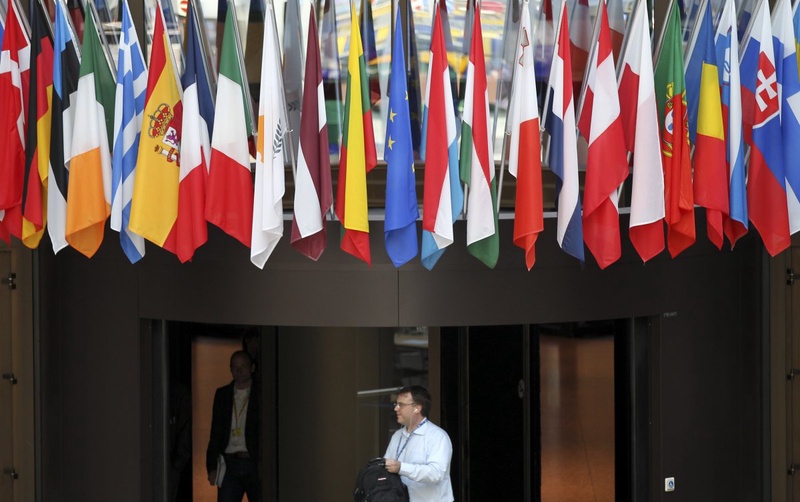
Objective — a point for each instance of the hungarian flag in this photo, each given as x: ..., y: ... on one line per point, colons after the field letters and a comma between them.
x: 761, y: 109
x: 563, y: 152
x: 128, y: 113
x: 524, y: 156
x: 477, y: 156
x: 313, y: 192
x: 402, y: 210
x: 270, y: 151
x: 191, y: 229
x: 14, y: 77
x: 358, y: 152
x: 706, y: 128
x: 37, y: 138
x: 66, y: 71
x: 229, y: 196
x: 154, y: 206
x: 789, y: 85
x: 640, y: 123
x: 89, y: 192
x: 727, y: 51
x: 443, y: 197
x: 606, y: 164
x: 672, y: 112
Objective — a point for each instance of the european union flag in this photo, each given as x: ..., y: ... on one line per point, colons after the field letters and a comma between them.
x: 402, y: 211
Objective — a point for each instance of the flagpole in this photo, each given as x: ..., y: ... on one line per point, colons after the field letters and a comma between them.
x: 210, y: 63
x: 507, y: 133
x: 663, y: 31
x: 69, y: 24
x: 240, y: 54
x: 102, y: 36
x: 289, y: 129
x: 595, y: 36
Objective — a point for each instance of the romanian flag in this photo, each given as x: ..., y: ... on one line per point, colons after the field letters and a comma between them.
x: 706, y: 129
x: 14, y: 76
x: 313, y: 192
x: 640, y: 123
x: 672, y: 112
x: 524, y: 157
x: 66, y: 71
x: 154, y: 206
x: 89, y: 193
x: 358, y: 152
x: 229, y: 197
x: 37, y: 138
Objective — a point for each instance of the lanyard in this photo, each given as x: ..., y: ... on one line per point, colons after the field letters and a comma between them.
x: 399, y: 449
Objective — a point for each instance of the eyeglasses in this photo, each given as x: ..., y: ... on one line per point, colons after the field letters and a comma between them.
x: 400, y: 405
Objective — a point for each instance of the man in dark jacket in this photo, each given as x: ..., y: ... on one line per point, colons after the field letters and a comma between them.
x: 234, y: 441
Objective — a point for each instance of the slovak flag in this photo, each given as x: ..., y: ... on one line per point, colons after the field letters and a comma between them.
x: 766, y: 183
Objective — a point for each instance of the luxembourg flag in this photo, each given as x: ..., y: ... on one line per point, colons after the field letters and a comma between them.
x: 789, y: 91
x: 606, y: 163
x: 524, y: 158
x: 443, y: 196
x: 766, y: 182
x: 563, y: 155
x: 640, y: 124
x: 727, y: 48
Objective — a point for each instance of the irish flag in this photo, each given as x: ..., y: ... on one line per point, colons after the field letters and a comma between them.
x: 358, y: 152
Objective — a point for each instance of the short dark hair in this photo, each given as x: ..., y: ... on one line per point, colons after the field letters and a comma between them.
x: 242, y: 353
x: 420, y: 395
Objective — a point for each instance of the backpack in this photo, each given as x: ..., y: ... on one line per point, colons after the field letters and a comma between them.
x: 375, y: 484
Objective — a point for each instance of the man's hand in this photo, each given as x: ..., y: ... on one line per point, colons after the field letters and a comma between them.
x: 392, y: 466
x: 212, y: 476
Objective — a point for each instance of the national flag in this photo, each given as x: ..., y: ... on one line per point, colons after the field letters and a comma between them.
x: 563, y: 151
x: 402, y: 210
x: 477, y: 154
x: 443, y: 197
x: 672, y: 112
x: 606, y: 164
x: 413, y: 81
x: 727, y: 49
x: 358, y: 152
x: 37, y: 137
x: 270, y: 153
x: 191, y: 230
x: 229, y: 202
x: 293, y: 68
x: 370, y: 52
x: 66, y: 71
x: 128, y: 116
x: 766, y: 180
x: 154, y: 205
x: 525, y: 157
x: 706, y: 128
x: 89, y: 191
x: 795, y: 24
x: 313, y: 192
x: 745, y: 15
x: 2, y: 24
x: 14, y: 77
x: 76, y: 14
x: 789, y: 91
x: 640, y: 124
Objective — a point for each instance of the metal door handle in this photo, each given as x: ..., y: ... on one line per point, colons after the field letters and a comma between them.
x: 10, y: 377
x: 11, y: 472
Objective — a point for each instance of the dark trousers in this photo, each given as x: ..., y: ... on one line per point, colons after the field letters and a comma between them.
x: 241, y: 476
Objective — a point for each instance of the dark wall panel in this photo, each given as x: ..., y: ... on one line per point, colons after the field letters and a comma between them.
x: 709, y: 355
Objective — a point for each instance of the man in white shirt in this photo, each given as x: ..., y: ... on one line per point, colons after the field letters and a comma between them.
x: 420, y: 451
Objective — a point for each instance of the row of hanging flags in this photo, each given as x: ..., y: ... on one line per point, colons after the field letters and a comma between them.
x: 151, y: 151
